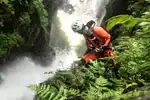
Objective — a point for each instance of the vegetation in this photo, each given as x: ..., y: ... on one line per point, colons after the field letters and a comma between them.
x: 22, y: 23
x: 8, y: 42
x: 132, y: 47
x: 97, y: 83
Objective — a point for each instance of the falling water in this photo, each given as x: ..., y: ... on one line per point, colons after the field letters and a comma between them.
x: 23, y: 72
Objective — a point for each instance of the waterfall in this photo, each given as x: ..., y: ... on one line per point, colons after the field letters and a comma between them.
x: 23, y: 72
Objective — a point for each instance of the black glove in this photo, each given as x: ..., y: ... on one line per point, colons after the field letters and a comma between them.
x: 79, y: 62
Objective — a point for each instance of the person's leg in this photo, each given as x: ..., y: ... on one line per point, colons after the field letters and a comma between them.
x: 89, y: 56
x: 108, y: 52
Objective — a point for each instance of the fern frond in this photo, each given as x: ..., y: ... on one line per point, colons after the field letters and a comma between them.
x: 57, y: 97
x: 44, y: 91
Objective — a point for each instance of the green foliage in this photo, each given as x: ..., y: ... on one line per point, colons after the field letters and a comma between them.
x: 126, y: 20
x: 39, y: 6
x: 99, y: 82
x: 8, y: 42
x: 132, y: 51
x: 138, y: 7
x: 48, y: 92
x: 25, y: 18
x: 6, y: 12
x: 28, y: 19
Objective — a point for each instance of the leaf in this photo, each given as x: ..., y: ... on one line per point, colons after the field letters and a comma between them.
x: 52, y: 95
x: 126, y: 20
x: 101, y: 81
x: 144, y: 23
x: 130, y: 23
x: 59, y: 93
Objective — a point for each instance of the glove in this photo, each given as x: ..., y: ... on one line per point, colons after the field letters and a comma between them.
x: 78, y: 62
x: 103, y: 46
x: 98, y: 49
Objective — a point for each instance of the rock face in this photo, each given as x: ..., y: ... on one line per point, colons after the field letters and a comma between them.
x: 115, y: 7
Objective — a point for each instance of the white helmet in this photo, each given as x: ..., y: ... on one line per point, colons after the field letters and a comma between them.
x: 77, y: 26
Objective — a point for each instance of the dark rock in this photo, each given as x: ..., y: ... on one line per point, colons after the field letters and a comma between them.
x: 115, y: 7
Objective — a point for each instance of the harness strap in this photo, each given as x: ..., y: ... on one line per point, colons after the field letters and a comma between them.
x: 94, y: 42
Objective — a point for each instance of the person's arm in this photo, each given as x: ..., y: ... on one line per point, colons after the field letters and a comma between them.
x: 102, y: 34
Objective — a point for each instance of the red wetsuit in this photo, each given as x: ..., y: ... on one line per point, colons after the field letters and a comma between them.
x: 101, y: 37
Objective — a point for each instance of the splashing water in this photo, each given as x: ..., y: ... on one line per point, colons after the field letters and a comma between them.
x: 82, y: 12
x: 23, y: 72
x: 20, y: 74
x: 85, y: 10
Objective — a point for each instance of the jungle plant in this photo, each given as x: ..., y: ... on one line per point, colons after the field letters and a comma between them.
x: 132, y: 49
x: 22, y: 22
x: 9, y: 42
x: 90, y: 85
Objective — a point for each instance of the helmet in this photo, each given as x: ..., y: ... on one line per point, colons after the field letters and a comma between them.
x: 77, y: 26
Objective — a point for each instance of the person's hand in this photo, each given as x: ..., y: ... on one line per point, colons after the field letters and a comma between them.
x: 98, y: 49
x: 79, y: 62
x: 103, y: 46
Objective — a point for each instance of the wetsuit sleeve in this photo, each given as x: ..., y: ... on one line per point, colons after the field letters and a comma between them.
x: 100, y: 32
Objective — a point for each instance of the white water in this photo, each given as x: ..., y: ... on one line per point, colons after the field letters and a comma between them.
x: 85, y: 10
x: 24, y: 71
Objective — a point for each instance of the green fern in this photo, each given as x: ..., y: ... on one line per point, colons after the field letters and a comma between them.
x: 38, y: 4
x: 48, y: 92
x: 132, y: 51
x: 8, y: 42
x: 44, y: 91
